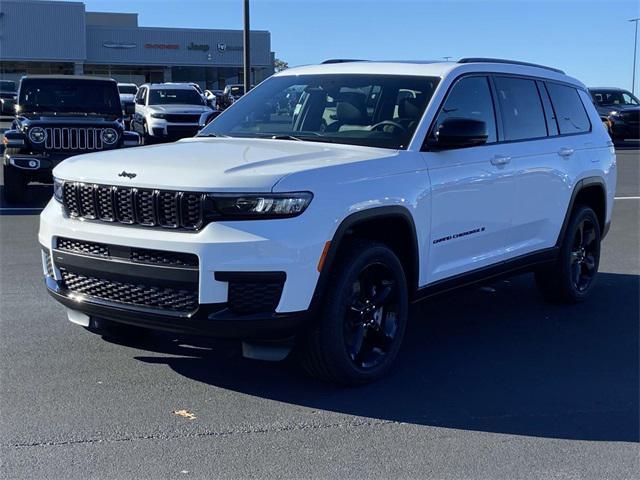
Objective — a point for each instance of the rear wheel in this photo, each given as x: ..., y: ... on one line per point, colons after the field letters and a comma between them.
x: 15, y: 182
x: 360, y: 329
x: 571, y: 278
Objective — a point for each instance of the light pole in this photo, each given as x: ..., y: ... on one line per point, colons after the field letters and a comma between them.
x: 635, y: 50
x: 247, y: 49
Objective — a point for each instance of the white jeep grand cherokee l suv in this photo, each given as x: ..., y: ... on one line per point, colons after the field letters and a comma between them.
x: 167, y: 111
x: 314, y: 228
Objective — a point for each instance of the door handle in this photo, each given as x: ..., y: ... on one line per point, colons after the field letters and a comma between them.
x: 500, y: 160
x: 565, y: 152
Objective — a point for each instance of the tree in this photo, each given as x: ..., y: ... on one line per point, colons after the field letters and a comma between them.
x: 280, y: 65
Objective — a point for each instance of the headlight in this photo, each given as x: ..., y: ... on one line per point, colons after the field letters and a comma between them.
x: 158, y: 115
x: 58, y: 185
x: 109, y: 136
x: 252, y: 206
x: 37, y: 135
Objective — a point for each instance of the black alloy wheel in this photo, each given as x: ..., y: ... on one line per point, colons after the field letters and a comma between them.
x: 371, y: 319
x: 359, y: 330
x: 571, y: 277
x: 584, y: 255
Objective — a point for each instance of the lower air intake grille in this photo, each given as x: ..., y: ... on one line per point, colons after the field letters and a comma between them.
x: 246, y: 298
x: 137, y: 294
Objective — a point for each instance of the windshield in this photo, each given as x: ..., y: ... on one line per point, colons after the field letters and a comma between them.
x: 7, y: 86
x: 67, y: 95
x: 182, y: 96
x: 128, y: 89
x: 371, y: 110
x: 614, y: 97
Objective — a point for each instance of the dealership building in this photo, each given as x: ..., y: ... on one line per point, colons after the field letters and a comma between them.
x: 51, y: 37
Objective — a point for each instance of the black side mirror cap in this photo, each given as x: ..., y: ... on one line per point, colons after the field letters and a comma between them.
x: 129, y: 108
x: 458, y: 133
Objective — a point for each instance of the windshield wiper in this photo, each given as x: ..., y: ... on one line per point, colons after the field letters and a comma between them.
x: 285, y: 137
x: 212, y: 134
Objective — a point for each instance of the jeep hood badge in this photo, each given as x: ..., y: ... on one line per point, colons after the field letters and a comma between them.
x: 127, y: 174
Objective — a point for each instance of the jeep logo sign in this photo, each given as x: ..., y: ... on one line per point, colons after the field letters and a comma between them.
x: 202, y: 47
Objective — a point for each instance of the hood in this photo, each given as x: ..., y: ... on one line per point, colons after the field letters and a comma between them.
x: 178, y: 108
x: 211, y: 164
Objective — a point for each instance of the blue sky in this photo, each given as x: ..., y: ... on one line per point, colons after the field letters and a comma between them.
x: 589, y: 39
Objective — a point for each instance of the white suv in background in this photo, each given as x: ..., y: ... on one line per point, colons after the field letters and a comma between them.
x: 313, y: 227
x: 167, y: 111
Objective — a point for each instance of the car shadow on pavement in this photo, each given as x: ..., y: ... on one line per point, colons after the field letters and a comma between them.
x: 492, y: 359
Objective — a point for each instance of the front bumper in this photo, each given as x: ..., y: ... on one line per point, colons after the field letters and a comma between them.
x: 162, y: 129
x: 223, y: 248
x: 625, y: 130
x: 212, y: 320
x: 36, y: 162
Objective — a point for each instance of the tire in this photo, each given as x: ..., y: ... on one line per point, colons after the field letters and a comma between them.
x: 572, y: 276
x: 15, y: 183
x: 353, y: 342
x: 118, y: 331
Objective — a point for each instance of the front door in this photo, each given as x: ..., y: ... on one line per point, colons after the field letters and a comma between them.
x: 472, y: 189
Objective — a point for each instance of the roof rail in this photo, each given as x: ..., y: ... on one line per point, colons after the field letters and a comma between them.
x: 501, y: 60
x: 342, y: 60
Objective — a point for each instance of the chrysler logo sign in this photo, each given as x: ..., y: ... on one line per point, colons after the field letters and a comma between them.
x: 222, y: 47
x: 119, y: 45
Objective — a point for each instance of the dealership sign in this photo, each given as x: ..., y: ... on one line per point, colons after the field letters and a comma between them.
x: 162, y: 46
x: 223, y: 47
x: 119, y: 45
x: 201, y: 47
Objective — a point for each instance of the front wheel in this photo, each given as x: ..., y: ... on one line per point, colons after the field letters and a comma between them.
x: 571, y: 278
x: 362, y: 323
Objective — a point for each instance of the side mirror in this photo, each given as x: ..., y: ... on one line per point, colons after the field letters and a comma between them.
x: 129, y: 108
x: 459, y: 133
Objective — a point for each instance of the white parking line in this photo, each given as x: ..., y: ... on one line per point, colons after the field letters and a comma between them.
x: 627, y: 198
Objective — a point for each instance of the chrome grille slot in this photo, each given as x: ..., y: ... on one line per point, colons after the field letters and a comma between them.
x: 133, y: 206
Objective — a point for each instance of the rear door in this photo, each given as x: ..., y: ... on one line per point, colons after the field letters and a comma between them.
x: 472, y: 189
x: 537, y: 168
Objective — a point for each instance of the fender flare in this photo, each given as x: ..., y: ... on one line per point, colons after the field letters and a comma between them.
x: 383, y: 212
x: 580, y: 185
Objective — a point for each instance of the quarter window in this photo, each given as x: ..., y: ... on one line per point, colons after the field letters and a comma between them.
x: 570, y: 112
x: 470, y: 97
x: 521, y: 109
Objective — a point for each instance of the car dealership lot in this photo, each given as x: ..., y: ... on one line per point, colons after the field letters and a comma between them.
x: 491, y: 383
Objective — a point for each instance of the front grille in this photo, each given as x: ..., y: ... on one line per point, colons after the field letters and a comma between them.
x: 259, y: 297
x: 134, y: 206
x: 182, y: 118
x: 132, y: 254
x: 181, y: 131
x: 136, y: 294
x: 66, y: 138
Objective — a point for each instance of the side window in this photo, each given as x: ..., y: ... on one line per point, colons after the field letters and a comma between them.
x: 628, y: 99
x: 521, y: 108
x: 470, y: 97
x: 140, y: 96
x: 570, y: 112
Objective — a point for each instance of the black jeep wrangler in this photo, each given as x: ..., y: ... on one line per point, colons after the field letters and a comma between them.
x: 58, y: 117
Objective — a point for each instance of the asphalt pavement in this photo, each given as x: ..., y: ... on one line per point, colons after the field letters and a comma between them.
x: 491, y: 383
